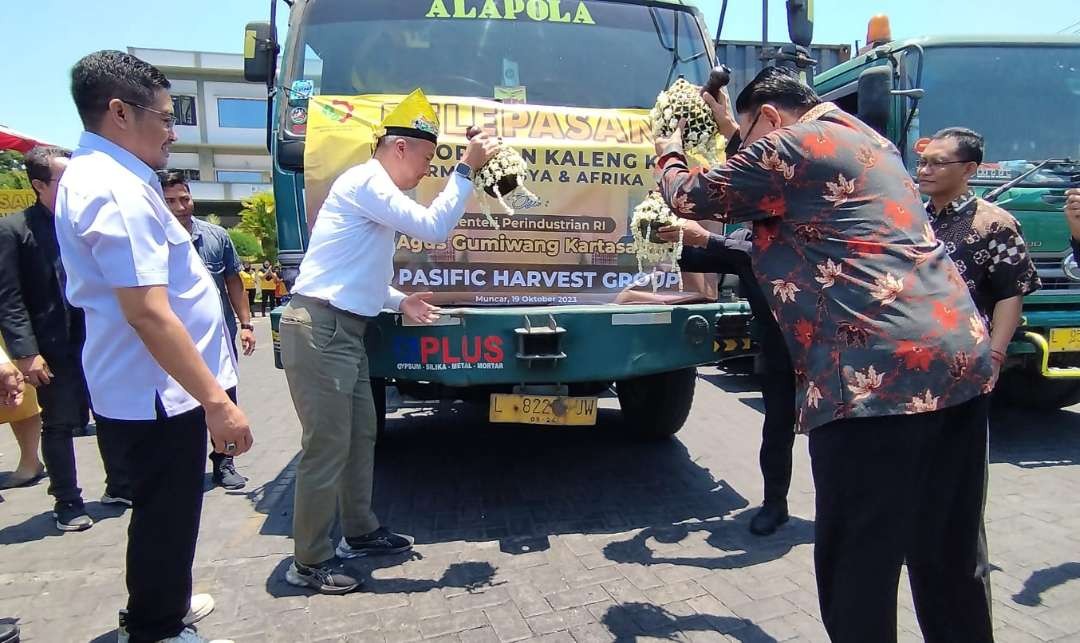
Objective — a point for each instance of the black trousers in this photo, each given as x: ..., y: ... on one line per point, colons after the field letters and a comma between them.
x: 895, y: 490
x: 778, y: 393
x: 268, y: 299
x: 251, y: 300
x: 165, y: 458
x: 65, y: 409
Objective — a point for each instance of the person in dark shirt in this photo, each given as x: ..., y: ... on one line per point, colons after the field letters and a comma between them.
x: 891, y: 358
x: 705, y: 251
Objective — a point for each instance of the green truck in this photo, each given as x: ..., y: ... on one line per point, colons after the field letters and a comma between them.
x: 537, y: 355
x: 1023, y: 95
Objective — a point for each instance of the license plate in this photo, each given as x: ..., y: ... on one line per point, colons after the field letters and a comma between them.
x: 543, y: 409
x: 1064, y: 340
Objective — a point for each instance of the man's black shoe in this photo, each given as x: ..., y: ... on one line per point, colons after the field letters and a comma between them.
x: 71, y: 516
x: 768, y: 519
x: 225, y: 474
x: 9, y: 633
x: 380, y: 542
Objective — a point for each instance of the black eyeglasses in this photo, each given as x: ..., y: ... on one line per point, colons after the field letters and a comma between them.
x: 168, y: 119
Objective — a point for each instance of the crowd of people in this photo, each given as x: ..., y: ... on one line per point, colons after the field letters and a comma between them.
x: 884, y: 321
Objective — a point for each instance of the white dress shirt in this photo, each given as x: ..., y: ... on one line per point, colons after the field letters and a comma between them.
x: 115, y: 231
x: 350, y: 258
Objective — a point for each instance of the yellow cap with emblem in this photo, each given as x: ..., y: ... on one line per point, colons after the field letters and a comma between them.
x: 414, y: 117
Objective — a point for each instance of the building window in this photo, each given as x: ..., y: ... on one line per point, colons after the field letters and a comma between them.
x: 242, y: 176
x: 189, y: 175
x: 242, y: 112
x: 184, y: 109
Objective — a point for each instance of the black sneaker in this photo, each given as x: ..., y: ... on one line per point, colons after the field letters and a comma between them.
x: 768, y: 519
x: 380, y: 542
x: 225, y: 475
x: 322, y: 578
x: 71, y: 516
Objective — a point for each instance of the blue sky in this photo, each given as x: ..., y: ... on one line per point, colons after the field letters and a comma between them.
x: 43, y: 39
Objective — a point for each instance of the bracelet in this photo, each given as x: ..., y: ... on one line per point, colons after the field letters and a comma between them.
x: 997, y: 356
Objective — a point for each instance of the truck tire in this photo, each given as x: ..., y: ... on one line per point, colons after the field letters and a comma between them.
x: 655, y: 407
x: 1029, y: 389
x: 378, y: 392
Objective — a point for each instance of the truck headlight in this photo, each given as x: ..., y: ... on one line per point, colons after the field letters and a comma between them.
x: 1072, y: 270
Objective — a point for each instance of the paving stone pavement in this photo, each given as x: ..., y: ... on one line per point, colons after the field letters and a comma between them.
x: 554, y: 535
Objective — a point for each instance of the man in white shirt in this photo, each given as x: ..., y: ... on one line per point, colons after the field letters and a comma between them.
x: 344, y: 282
x: 157, y: 358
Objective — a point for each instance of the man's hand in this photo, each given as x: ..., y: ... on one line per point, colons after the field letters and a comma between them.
x: 1072, y: 212
x: 721, y: 110
x: 417, y: 309
x: 11, y: 385
x: 480, y: 150
x: 693, y: 234
x: 228, y: 427
x: 247, y: 341
x: 673, y: 143
x: 35, y: 370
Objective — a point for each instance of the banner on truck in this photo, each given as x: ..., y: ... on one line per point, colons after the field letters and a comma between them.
x: 12, y: 201
x: 588, y: 169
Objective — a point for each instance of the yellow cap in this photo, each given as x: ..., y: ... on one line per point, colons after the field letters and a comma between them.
x: 414, y: 117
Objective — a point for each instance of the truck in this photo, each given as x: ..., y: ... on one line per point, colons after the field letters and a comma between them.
x: 1022, y: 93
x: 551, y: 310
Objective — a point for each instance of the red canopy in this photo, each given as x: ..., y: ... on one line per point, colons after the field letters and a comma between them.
x: 12, y: 140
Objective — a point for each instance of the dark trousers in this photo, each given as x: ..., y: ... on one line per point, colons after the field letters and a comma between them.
x: 268, y: 299
x: 165, y: 458
x: 895, y: 490
x: 65, y: 409
x: 251, y: 299
x: 778, y: 393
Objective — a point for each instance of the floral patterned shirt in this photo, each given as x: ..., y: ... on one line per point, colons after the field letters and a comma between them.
x: 875, y: 315
x: 985, y: 243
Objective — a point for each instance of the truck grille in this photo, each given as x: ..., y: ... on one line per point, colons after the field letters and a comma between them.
x: 1054, y: 281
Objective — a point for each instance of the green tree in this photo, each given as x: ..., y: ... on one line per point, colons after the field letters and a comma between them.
x: 12, y: 171
x: 258, y: 218
x: 213, y: 218
x: 247, y: 246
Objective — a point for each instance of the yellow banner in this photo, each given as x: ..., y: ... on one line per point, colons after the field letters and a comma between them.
x: 12, y: 201
x: 588, y: 169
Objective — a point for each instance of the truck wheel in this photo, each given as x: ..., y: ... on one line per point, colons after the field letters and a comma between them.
x: 656, y: 406
x: 1029, y: 389
x: 378, y: 392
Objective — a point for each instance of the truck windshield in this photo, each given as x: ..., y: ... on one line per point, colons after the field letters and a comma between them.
x: 1024, y: 100
x: 587, y: 53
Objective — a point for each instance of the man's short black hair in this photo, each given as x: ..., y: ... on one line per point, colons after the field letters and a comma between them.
x: 779, y: 87
x: 172, y: 178
x: 969, y: 143
x: 104, y: 75
x: 37, y: 162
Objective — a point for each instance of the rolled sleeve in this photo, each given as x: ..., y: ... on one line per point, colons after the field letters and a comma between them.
x: 128, y: 241
x: 232, y: 262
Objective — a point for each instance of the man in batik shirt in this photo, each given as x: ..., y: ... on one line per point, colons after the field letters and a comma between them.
x: 983, y: 240
x: 892, y: 360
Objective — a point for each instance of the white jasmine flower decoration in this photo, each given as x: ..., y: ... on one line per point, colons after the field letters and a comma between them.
x: 651, y: 215
x: 683, y: 100
x: 506, y: 164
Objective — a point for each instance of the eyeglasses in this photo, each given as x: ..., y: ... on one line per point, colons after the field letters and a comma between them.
x: 753, y: 124
x: 169, y: 120
x: 934, y: 165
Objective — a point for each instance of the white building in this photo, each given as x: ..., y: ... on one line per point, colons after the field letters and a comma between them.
x: 221, y: 127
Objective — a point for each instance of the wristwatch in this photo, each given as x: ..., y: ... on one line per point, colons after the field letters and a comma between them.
x: 247, y: 327
x: 464, y: 170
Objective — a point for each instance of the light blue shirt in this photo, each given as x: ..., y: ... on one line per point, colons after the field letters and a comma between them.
x: 115, y: 231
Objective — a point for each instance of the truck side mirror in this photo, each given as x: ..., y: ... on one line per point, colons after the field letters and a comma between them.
x: 800, y: 21
x: 260, y: 52
x: 875, y: 97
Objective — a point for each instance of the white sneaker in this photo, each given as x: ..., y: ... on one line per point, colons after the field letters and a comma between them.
x: 190, y: 636
x: 201, y: 606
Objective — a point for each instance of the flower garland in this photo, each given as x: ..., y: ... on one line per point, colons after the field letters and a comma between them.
x: 506, y: 164
x: 649, y: 216
x: 683, y: 100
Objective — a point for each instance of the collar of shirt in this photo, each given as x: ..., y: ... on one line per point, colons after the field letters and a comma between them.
x: 129, y: 161
x: 961, y: 205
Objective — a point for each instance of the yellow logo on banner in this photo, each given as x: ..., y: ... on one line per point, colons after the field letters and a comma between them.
x: 12, y: 201
x: 538, y: 10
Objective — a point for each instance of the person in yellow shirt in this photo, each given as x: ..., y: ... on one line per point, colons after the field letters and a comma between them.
x: 247, y: 276
x: 268, y: 285
x: 25, y: 421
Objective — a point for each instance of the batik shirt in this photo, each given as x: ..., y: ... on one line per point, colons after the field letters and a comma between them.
x: 875, y: 315
x: 985, y: 243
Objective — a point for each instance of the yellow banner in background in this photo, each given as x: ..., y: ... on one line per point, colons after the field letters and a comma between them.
x: 12, y: 201
x: 588, y: 168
